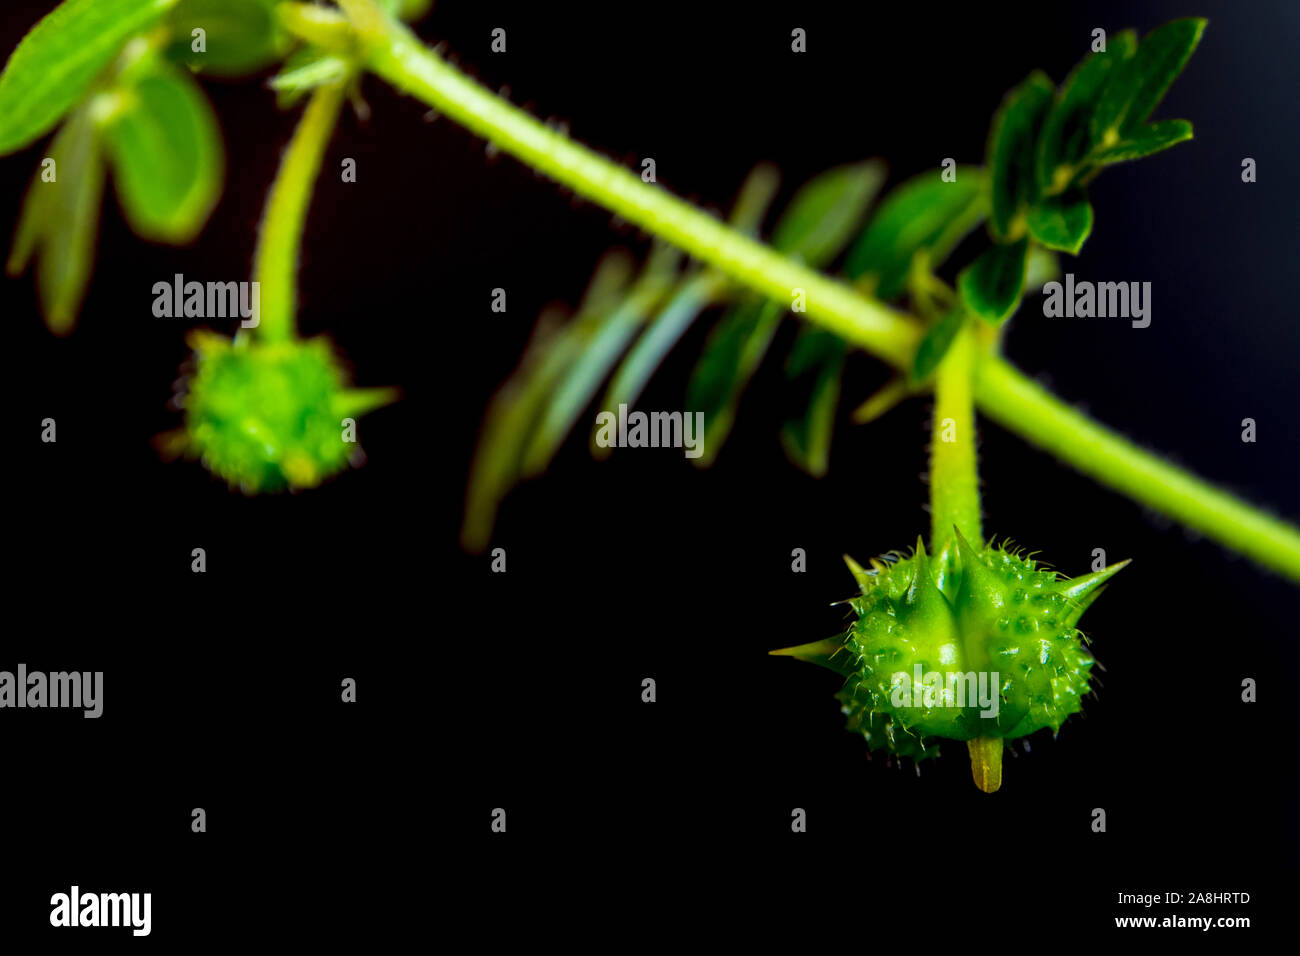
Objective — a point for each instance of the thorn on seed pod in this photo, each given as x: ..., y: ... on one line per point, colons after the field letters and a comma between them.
x: 975, y: 645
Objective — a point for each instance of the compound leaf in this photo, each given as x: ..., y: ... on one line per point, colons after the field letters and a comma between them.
x: 1140, y: 82
x: 1066, y: 136
x: 56, y: 63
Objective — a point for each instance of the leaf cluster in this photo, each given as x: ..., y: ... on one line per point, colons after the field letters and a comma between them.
x: 1045, y: 145
x: 116, y: 79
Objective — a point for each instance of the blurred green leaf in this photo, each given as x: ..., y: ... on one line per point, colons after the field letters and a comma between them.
x: 1140, y: 82
x: 817, y: 361
x: 882, y: 400
x: 1062, y: 222
x: 167, y: 155
x: 922, y: 213
x: 56, y: 63
x: 1042, y: 267
x: 826, y: 211
x: 691, y: 297
x: 1013, y: 137
x: 239, y: 36
x: 408, y: 10
x: 732, y: 353
x: 516, y: 407
x: 34, y: 219
x: 671, y: 322
x: 992, y: 285
x: 1144, y: 141
x: 602, y: 338
x: 820, y: 219
x: 510, y: 414
x: 60, y: 221
x: 933, y: 347
x: 815, y: 225
x: 1066, y: 136
x: 754, y: 198
x: 305, y: 70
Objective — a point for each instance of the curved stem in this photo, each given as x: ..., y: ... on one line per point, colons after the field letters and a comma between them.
x: 954, y: 480
x: 1029, y: 410
x: 275, y: 263
x: 398, y: 56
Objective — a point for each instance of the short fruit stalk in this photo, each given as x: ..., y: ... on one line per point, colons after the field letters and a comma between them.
x: 964, y: 642
x: 267, y: 410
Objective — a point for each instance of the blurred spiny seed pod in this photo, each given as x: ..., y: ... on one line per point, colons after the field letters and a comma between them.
x: 973, y: 646
x: 266, y: 417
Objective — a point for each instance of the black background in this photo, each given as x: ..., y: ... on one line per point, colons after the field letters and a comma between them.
x: 522, y: 690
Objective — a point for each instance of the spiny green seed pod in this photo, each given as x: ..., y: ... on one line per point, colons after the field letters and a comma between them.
x: 981, y: 646
x: 268, y: 416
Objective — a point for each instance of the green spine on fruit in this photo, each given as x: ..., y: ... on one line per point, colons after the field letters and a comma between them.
x: 991, y: 611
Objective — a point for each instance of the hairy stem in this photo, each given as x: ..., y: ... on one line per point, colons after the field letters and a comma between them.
x: 955, y: 502
x: 1008, y: 397
x: 275, y: 263
x: 394, y: 53
x: 397, y: 55
x: 954, y: 481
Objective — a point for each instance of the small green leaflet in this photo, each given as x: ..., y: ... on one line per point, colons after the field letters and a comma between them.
x: 823, y: 215
x: 1066, y: 135
x: 239, y: 36
x: 1144, y: 141
x: 59, y: 223
x: 1062, y: 222
x: 817, y: 363
x: 1042, y: 267
x: 601, y: 338
x: 935, y: 345
x: 509, y: 417
x: 516, y: 407
x: 1141, y: 81
x: 305, y: 70
x: 687, y: 302
x: 992, y: 285
x: 56, y: 63
x: 167, y: 155
x: 732, y: 353
x: 882, y: 400
x: 1012, y: 143
x: 692, y: 296
x: 815, y: 225
x: 922, y: 213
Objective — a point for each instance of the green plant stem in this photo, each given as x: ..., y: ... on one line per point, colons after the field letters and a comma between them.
x: 398, y: 56
x: 954, y: 479
x: 1008, y: 397
x: 955, y: 502
x: 275, y: 263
